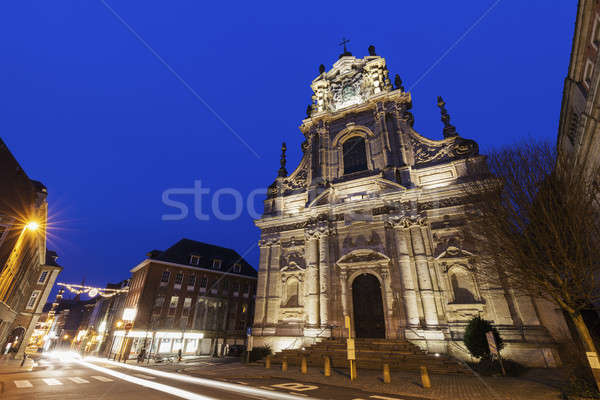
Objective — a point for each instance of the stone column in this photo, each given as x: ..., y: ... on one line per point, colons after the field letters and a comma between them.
x: 408, y: 284
x: 261, y: 286
x: 311, y: 306
x: 344, y: 292
x: 423, y: 276
x: 272, y: 311
x: 388, y: 301
x: 324, y: 276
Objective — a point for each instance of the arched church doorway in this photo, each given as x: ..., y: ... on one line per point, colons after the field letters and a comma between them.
x: 369, y: 321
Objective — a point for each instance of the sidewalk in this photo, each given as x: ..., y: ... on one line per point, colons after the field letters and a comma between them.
x: 537, y: 384
x: 10, y: 366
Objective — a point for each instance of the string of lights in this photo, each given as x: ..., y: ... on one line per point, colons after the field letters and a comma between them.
x: 91, y: 291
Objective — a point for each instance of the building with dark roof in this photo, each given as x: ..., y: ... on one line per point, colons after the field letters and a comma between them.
x: 194, y: 297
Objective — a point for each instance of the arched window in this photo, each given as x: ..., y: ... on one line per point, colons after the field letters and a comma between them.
x: 355, y: 155
x: 463, y: 287
x: 291, y: 293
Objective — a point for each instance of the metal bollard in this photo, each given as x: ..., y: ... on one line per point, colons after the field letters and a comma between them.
x: 268, y: 362
x: 386, y: 373
x: 284, y: 366
x: 327, y: 366
x: 303, y: 365
x: 425, y: 377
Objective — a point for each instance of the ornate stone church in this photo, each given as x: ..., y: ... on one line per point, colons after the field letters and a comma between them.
x: 369, y: 226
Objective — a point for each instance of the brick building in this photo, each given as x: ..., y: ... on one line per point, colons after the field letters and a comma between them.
x: 194, y: 296
x: 27, y: 269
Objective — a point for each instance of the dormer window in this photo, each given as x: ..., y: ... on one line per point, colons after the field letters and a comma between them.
x: 216, y: 263
x: 194, y: 260
x: 355, y: 155
x: 237, y: 268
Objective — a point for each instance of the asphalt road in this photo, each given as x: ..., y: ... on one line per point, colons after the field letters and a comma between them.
x: 96, y: 379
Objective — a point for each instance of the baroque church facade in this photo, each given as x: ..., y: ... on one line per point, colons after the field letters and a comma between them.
x: 369, y: 226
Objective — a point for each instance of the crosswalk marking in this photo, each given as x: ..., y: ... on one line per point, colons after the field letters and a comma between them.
x: 144, y: 376
x: 102, y: 378
x: 79, y: 380
x: 52, y: 381
x: 23, y: 384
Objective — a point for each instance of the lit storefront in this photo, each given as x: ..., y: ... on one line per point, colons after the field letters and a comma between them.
x: 162, y: 342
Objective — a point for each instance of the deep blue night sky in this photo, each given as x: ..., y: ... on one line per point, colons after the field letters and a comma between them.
x: 88, y: 110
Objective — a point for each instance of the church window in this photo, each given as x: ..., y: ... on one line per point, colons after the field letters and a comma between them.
x: 463, y: 287
x: 291, y: 293
x: 355, y: 155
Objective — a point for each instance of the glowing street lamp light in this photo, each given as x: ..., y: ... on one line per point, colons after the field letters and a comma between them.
x: 32, y: 226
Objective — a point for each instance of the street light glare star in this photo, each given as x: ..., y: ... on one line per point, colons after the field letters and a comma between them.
x: 32, y: 226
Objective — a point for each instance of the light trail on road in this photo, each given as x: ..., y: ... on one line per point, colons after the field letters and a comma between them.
x: 229, y: 387
x: 224, y: 386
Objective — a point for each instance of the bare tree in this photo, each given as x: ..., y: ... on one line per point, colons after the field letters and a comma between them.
x: 536, y: 225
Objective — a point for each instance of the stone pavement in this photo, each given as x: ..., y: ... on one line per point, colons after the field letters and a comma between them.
x: 10, y: 366
x: 537, y: 384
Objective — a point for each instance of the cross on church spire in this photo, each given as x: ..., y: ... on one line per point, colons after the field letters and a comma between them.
x: 343, y: 43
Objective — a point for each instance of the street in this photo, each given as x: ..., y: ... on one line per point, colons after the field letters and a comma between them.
x: 66, y: 377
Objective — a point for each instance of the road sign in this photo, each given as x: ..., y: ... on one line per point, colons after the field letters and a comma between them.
x: 491, y: 342
x: 351, y: 346
x: 249, y: 331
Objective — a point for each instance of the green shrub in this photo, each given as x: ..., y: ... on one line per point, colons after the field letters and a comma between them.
x: 258, y: 353
x: 475, y: 339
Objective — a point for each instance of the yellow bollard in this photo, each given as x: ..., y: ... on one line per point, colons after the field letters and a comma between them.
x: 268, y: 362
x: 353, y: 370
x: 386, y: 373
x: 425, y: 377
x: 303, y: 365
x: 327, y: 366
x: 284, y: 366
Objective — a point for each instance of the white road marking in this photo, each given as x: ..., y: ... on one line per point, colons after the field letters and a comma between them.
x: 23, y: 384
x: 241, y: 383
x: 230, y: 387
x: 78, y: 380
x: 102, y: 378
x: 298, y: 387
x: 297, y: 394
x: 384, y: 398
x: 52, y: 382
x: 144, y: 376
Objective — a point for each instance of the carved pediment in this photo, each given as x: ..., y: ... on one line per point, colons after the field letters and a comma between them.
x: 363, y: 256
x: 293, y: 261
x: 428, y: 152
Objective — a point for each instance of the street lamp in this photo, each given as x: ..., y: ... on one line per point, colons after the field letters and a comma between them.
x: 32, y: 226
x: 128, y: 316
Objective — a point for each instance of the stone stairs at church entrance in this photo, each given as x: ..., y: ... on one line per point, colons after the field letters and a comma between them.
x: 372, y: 354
